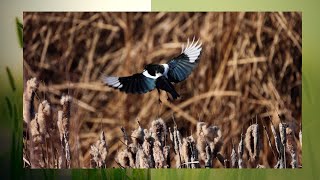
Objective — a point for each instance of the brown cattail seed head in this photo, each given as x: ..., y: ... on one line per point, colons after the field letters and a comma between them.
x: 34, y: 129
x: 138, y: 136
x: 28, y: 97
x: 158, y: 155
x: 125, y: 159
x: 292, y: 147
x: 99, y: 151
x: 44, y: 114
x: 252, y: 141
x: 159, y: 130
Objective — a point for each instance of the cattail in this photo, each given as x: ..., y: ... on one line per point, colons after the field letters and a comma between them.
x: 37, y: 160
x: 283, y: 137
x: 194, y: 154
x: 66, y: 107
x: 170, y: 134
x: 208, y: 160
x: 48, y: 131
x: 240, y: 151
x: 291, y: 147
x: 185, y: 152
x: 44, y: 117
x: 125, y: 136
x: 276, y: 138
x: 166, y: 154
x: 64, y: 116
x: 189, y: 153
x: 35, y: 132
x: 28, y: 114
x: 28, y: 98
x: 125, y: 159
x: 147, y: 147
x: 159, y: 130
x: 99, y: 151
x: 201, y: 140
x: 234, y: 158
x: 211, y: 136
x: 160, y: 161
x: 279, y: 147
x: 177, y: 145
x: 138, y: 135
x: 252, y: 142
x: 67, y: 150
x: 142, y: 159
x: 214, y: 136
x: 63, y: 124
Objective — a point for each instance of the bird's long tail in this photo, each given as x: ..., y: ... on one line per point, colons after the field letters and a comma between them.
x: 174, y: 94
x: 164, y: 84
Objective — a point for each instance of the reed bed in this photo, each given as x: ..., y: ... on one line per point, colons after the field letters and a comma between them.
x: 240, y: 108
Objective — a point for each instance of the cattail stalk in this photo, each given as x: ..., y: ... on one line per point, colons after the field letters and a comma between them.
x: 208, y: 160
x: 177, y: 145
x: 292, y: 147
x: 241, y: 151
x: 283, y: 137
x: 63, y: 127
x: 234, y: 158
x: 279, y: 147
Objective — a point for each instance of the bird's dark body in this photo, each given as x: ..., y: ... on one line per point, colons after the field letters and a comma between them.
x: 160, y: 76
x: 164, y: 84
x: 154, y: 68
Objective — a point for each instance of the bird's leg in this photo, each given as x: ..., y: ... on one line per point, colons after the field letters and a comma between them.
x: 159, y: 96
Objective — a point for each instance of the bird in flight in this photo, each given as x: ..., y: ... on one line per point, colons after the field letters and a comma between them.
x: 160, y: 76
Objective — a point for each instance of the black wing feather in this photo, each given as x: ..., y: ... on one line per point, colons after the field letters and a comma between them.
x: 182, y: 66
x: 137, y: 83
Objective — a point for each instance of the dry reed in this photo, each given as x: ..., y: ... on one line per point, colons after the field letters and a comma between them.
x: 250, y: 66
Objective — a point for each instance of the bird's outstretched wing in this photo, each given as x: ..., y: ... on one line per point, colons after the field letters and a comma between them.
x: 137, y: 83
x: 181, y: 66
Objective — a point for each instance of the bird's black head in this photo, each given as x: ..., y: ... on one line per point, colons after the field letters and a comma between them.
x: 154, y: 68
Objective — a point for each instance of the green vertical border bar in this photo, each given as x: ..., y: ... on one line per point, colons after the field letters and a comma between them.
x: 310, y: 86
x: 230, y: 5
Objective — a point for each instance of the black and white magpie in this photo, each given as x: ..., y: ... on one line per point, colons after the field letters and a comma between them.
x: 160, y: 76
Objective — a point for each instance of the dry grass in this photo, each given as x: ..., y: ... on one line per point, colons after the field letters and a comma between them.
x: 250, y: 66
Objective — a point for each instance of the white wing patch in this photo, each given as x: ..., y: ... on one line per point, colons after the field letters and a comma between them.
x: 166, y: 69
x: 112, y: 81
x: 192, y: 50
x: 146, y: 74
